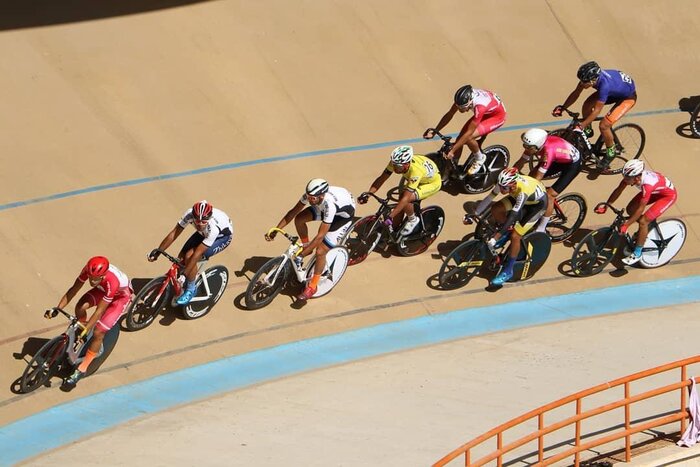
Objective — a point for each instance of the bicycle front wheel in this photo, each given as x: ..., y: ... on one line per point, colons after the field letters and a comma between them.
x: 362, y: 238
x: 267, y: 283
x: 594, y: 252
x: 43, y: 364
x: 695, y: 121
x: 144, y: 308
x: 202, y: 303
x: 568, y: 215
x: 462, y: 264
x: 629, y: 143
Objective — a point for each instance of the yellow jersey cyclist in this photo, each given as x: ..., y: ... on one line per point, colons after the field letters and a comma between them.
x: 526, y: 200
x: 422, y: 181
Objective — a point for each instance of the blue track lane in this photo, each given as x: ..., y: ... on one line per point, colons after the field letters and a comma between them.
x: 82, y: 417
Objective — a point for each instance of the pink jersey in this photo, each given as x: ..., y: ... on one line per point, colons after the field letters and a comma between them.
x: 115, y: 284
x: 486, y: 104
x: 557, y: 150
x: 653, y: 183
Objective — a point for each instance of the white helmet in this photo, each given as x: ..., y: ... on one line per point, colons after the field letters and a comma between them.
x: 508, y: 177
x: 317, y: 187
x: 534, y: 137
x: 632, y: 168
x: 402, y: 155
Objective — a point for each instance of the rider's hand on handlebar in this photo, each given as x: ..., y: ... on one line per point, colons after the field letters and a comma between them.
x: 270, y: 235
x: 363, y: 198
x: 468, y: 219
x: 600, y: 208
x: 557, y: 111
x: 51, y: 313
x: 153, y: 255
x: 491, y: 243
x: 623, y: 228
x: 429, y: 133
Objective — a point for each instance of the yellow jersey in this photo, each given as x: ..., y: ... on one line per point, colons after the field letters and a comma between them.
x: 421, y: 171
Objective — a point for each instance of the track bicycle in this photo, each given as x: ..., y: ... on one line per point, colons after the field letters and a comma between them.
x: 629, y: 143
x: 65, y: 351
x: 288, y: 268
x: 695, y: 121
x: 366, y: 233
x: 156, y: 294
x: 474, y: 255
x: 597, y: 249
x: 497, y: 159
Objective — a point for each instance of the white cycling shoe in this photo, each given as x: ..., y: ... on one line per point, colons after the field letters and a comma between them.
x: 410, y: 225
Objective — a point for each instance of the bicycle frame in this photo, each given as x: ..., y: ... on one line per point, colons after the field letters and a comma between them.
x: 173, y: 273
x: 383, y: 212
x: 292, y: 252
x: 71, y: 350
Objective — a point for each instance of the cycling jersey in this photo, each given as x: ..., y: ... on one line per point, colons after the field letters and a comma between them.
x: 486, y: 104
x: 218, y: 226
x: 653, y: 183
x: 421, y: 171
x: 614, y: 86
x: 114, y: 284
x: 337, y: 205
x: 555, y: 150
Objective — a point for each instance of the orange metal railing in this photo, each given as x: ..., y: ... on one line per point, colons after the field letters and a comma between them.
x: 677, y: 414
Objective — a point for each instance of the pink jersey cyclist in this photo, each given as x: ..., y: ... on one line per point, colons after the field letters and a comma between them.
x: 489, y: 111
x: 556, y: 150
x: 657, y: 190
x: 114, y: 289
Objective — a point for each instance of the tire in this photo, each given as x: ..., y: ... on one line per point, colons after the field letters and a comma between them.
x: 497, y: 159
x: 416, y: 243
x: 217, y: 278
x: 567, y: 218
x: 146, y: 305
x: 594, y: 252
x: 362, y: 238
x: 674, y: 233
x: 336, y: 265
x: 629, y: 140
x: 43, y: 365
x: 695, y: 121
x: 462, y: 264
x: 259, y: 292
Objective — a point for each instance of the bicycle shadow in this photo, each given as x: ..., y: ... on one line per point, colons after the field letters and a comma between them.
x: 29, y: 348
x: 687, y: 104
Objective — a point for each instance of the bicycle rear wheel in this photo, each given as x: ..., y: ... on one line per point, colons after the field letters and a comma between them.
x: 497, y: 159
x: 629, y: 143
x: 144, y: 308
x: 462, y: 264
x: 362, y: 238
x: 695, y: 121
x: 416, y: 243
x: 217, y: 278
x: 663, y: 243
x: 594, y: 252
x: 267, y: 283
x: 568, y: 215
x: 43, y: 365
x: 336, y: 265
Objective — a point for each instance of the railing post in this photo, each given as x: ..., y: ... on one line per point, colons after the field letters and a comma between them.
x: 684, y: 400
x: 467, y: 458
x: 540, y: 438
x: 628, y: 438
x: 499, y: 446
x: 578, y: 432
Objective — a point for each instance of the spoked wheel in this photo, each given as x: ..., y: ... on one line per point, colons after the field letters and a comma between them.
x: 567, y: 216
x: 150, y: 300
x: 663, y: 243
x: 336, y: 264
x: 462, y: 264
x: 424, y: 235
x: 695, y: 121
x: 267, y: 283
x: 594, y: 252
x: 202, y: 303
x: 497, y: 159
x: 629, y: 143
x: 362, y: 238
x: 43, y: 365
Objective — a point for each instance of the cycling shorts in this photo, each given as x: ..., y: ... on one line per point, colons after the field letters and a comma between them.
x: 659, y: 204
x: 529, y: 214
x: 197, y: 238
x: 114, y: 310
x: 619, y: 109
x: 339, y: 227
x: 427, y: 189
x: 567, y: 173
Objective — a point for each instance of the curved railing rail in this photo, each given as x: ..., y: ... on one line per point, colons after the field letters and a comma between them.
x: 581, y: 442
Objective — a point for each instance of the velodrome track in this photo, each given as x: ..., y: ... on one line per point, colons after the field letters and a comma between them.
x: 259, y: 92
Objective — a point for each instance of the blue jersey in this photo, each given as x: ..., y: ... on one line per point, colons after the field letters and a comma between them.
x: 614, y: 86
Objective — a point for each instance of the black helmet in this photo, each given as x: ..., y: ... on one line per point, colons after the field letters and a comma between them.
x: 588, y: 72
x: 463, y: 96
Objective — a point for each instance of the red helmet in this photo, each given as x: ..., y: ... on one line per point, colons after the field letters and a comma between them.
x: 202, y: 210
x: 97, y: 266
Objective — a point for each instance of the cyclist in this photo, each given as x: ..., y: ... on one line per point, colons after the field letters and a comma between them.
x: 654, y: 189
x: 526, y: 200
x: 213, y: 233
x: 489, y: 115
x: 334, y: 207
x: 422, y: 181
x: 612, y: 87
x: 555, y: 155
x: 111, y: 292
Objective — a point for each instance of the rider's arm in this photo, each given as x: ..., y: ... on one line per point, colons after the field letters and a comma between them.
x: 379, y: 181
x: 406, y: 198
x: 171, y: 237
x: 616, y: 193
x: 486, y: 202
x: 316, y: 241
x: 446, y: 118
x: 520, y: 163
x: 573, y: 97
x: 291, y: 214
x: 594, y: 113
x: 70, y: 294
x: 514, y: 213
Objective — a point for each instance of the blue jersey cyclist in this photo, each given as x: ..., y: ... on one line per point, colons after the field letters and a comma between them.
x: 612, y: 87
x: 213, y: 233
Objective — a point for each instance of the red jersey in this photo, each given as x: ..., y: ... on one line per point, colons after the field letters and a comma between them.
x: 115, y: 284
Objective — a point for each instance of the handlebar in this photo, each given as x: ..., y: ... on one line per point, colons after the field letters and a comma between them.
x: 446, y: 139
x: 382, y: 201
x: 292, y: 238
x: 171, y: 258
x: 618, y: 212
x: 571, y: 114
x: 73, y: 319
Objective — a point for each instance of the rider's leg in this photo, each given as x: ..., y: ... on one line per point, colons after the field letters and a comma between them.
x: 320, y: 264
x: 544, y: 220
x: 301, y: 221
x: 409, y: 196
x: 606, y: 124
x: 587, y: 109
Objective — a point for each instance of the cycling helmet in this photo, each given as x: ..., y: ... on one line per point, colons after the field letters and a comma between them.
x: 317, y: 187
x: 463, y: 96
x: 202, y: 210
x: 588, y: 72
x: 402, y: 155
x: 97, y: 266
x: 534, y: 137
x: 507, y: 177
x: 632, y: 168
